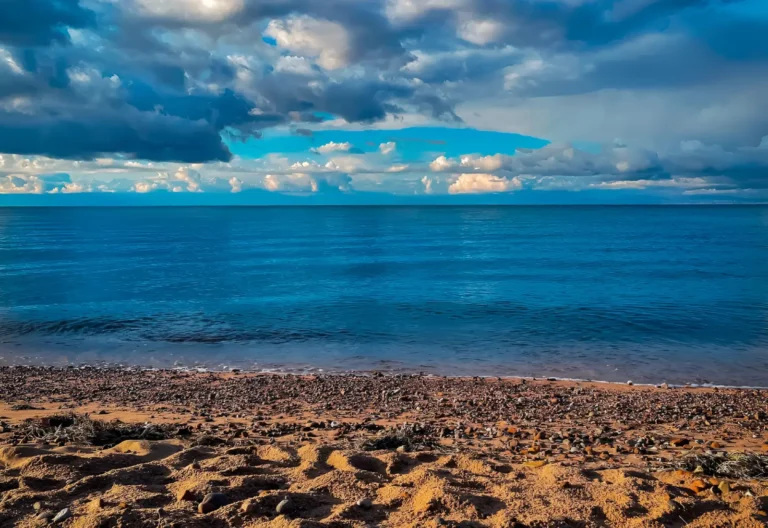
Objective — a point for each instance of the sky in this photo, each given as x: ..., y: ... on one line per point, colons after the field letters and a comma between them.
x: 124, y: 102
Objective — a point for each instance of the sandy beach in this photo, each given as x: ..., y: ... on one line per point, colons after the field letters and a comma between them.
x: 84, y: 447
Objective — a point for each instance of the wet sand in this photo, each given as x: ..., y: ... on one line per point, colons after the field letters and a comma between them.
x: 357, y: 451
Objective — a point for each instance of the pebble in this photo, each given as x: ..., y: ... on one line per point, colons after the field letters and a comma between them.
x: 185, y: 495
x: 63, y: 515
x: 365, y: 503
x: 211, y: 502
x: 724, y: 487
x: 37, y: 506
x: 285, y: 506
x: 46, y: 515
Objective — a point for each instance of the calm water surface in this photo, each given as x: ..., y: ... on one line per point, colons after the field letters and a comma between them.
x: 677, y: 294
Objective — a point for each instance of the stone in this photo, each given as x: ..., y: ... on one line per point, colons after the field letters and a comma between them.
x: 697, y: 486
x: 46, y: 515
x: 37, y: 506
x: 211, y: 502
x: 365, y: 503
x: 285, y: 506
x: 402, y: 449
x: 63, y: 515
x: 185, y: 495
x: 679, y: 442
x: 249, y: 507
x: 724, y: 487
x: 715, y: 445
x: 699, y: 470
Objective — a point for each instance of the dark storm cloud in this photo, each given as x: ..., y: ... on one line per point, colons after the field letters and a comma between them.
x: 41, y: 22
x: 88, y: 134
x: 167, y: 80
x: 356, y: 100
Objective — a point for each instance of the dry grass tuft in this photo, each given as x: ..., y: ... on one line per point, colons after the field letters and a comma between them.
x: 730, y: 465
x: 411, y: 437
x: 80, y: 428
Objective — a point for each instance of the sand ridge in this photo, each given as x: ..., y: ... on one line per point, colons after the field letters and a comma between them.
x: 161, y: 483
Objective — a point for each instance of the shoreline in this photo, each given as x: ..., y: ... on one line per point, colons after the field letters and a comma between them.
x: 145, y: 447
x: 321, y: 371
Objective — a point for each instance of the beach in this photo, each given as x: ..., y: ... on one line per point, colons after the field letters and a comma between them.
x: 111, y: 447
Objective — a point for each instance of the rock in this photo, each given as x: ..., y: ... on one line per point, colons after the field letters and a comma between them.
x: 46, y: 515
x: 249, y: 507
x: 285, y: 506
x: 715, y: 445
x: 679, y: 442
x: 365, y: 503
x: 724, y: 487
x: 402, y: 449
x: 630, y: 382
x: 697, y: 486
x: 699, y: 470
x: 211, y: 502
x: 63, y: 515
x: 185, y: 495
x: 37, y: 506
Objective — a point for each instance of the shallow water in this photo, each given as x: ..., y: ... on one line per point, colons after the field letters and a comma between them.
x: 652, y: 294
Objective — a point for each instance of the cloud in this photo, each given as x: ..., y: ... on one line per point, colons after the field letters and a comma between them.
x: 333, y: 147
x: 21, y: 183
x: 185, y: 82
x: 476, y: 183
x: 442, y: 164
x: 41, y: 22
x: 190, y: 11
x: 387, y: 148
x: 86, y: 135
x: 327, y: 41
x: 307, y: 183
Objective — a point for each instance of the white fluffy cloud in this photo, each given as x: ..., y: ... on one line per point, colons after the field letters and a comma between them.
x: 476, y: 183
x: 206, y: 11
x: 324, y: 40
x: 387, y: 148
x: 481, y: 31
x: 333, y: 147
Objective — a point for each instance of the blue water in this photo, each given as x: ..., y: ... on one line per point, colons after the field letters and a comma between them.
x: 651, y: 294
